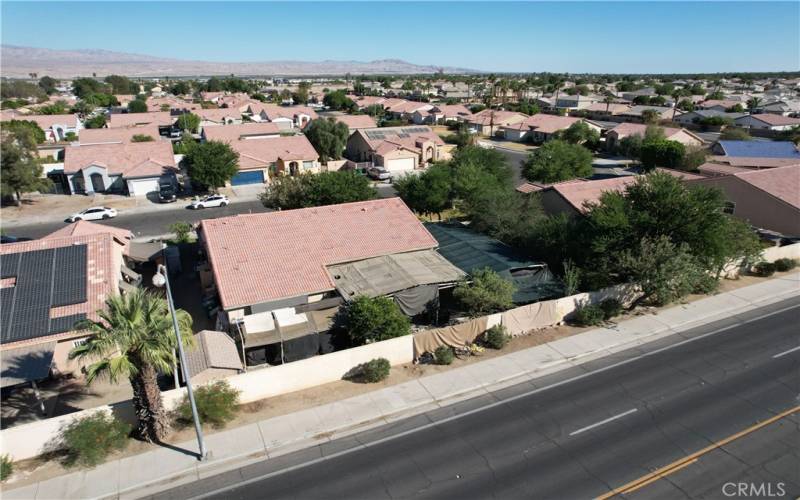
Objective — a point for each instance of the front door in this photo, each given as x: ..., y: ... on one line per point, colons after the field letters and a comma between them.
x: 293, y: 169
x: 98, y: 186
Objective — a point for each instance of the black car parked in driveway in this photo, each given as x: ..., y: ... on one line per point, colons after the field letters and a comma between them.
x: 167, y: 193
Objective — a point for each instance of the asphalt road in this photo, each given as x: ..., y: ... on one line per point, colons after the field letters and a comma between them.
x: 576, y: 434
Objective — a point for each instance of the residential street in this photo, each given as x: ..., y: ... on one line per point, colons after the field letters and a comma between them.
x: 570, y: 435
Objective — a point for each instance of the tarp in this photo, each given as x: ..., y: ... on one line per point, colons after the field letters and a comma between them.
x: 143, y: 252
x: 301, y: 348
x: 413, y: 301
x: 454, y: 336
x: 388, y: 274
x: 26, y: 364
x: 531, y: 317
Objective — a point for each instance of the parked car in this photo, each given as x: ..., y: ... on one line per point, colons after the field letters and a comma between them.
x: 93, y: 213
x: 167, y: 193
x: 379, y: 174
x: 214, y: 200
x: 4, y: 238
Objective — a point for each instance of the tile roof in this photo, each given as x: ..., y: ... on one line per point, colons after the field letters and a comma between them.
x: 212, y: 350
x: 116, y: 135
x: 776, y: 120
x: 235, y: 132
x: 627, y: 129
x: 754, y: 162
x: 260, y: 153
x: 613, y: 108
x: 86, y: 228
x: 762, y: 149
x: 544, y: 123
x: 46, y: 121
x: 135, y: 159
x: 273, y: 111
x: 781, y: 182
x: 162, y: 118
x: 101, y: 277
x: 500, y: 117
x: 356, y: 121
x: 218, y: 114
x: 265, y: 257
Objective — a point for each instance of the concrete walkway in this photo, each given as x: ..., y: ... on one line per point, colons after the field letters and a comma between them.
x: 144, y: 474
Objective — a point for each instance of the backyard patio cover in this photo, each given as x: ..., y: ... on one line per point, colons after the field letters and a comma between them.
x: 26, y: 364
x: 389, y: 274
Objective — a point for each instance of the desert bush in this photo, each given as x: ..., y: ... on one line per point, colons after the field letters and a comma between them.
x: 217, y: 404
x: 375, y: 370
x: 764, y: 269
x: 497, y: 337
x: 89, y: 440
x: 611, y: 308
x: 6, y: 467
x: 443, y: 355
x: 589, y: 315
x: 782, y: 265
x: 182, y: 231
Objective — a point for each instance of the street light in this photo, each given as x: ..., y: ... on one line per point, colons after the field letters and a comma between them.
x: 161, y: 279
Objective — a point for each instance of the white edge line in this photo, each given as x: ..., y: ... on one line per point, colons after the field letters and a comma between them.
x: 486, y: 407
x: 602, y: 422
x: 784, y: 353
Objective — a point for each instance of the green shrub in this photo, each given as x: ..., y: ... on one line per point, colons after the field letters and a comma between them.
x: 705, y: 284
x: 89, y: 440
x: 611, y: 308
x: 589, y: 315
x: 443, y: 355
x: 497, y: 337
x: 217, y: 405
x: 375, y: 370
x: 764, y: 269
x: 372, y: 319
x: 782, y: 265
x: 182, y: 231
x: 6, y: 467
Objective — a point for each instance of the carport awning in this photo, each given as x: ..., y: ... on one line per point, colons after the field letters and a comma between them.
x: 392, y: 273
x: 26, y: 364
x: 143, y: 252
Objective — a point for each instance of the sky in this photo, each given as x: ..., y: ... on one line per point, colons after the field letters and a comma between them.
x: 576, y: 37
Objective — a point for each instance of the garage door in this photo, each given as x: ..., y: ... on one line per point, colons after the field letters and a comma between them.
x: 141, y: 187
x: 400, y: 164
x: 251, y: 177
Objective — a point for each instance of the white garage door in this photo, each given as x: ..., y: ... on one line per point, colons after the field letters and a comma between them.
x: 400, y: 164
x: 140, y: 187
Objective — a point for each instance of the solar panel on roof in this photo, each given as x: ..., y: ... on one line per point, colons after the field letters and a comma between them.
x: 43, y: 279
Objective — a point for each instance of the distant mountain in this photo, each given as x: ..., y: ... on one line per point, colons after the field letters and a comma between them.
x: 21, y: 61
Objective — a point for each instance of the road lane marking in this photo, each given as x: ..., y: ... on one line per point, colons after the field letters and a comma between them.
x: 480, y: 409
x: 602, y: 422
x: 689, y: 459
x: 784, y: 353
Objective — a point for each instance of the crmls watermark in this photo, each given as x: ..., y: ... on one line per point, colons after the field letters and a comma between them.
x: 750, y: 490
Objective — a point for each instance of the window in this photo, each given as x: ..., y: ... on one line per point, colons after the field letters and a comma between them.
x: 308, y: 164
x: 729, y: 207
x: 79, y: 342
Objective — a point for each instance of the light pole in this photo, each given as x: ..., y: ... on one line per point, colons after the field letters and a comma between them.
x: 161, y: 279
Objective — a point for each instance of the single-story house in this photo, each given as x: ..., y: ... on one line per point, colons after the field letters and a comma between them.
x: 576, y: 102
x: 604, y: 111
x: 721, y: 105
x: 490, y: 121
x: 285, y: 116
x: 38, y: 330
x: 398, y: 149
x: 135, y: 168
x: 624, y: 130
x: 698, y: 115
x: 243, y: 131
x: 442, y: 113
x: 756, y: 149
x: 119, y: 135
x: 261, y: 158
x: 633, y: 94
x: 275, y: 272
x: 356, y: 122
x: 768, y: 121
x: 541, y: 127
x: 635, y: 113
x: 405, y: 109
x: 55, y: 127
x: 162, y: 119
x: 572, y: 197
x: 767, y: 198
x: 218, y: 116
x: 785, y: 107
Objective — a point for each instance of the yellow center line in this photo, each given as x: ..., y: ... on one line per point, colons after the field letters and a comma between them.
x: 690, y: 459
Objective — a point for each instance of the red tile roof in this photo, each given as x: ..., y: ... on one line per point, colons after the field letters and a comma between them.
x: 354, y: 122
x: 776, y: 120
x: 86, y: 228
x: 272, y: 256
x: 544, y: 123
x: 162, y: 118
x: 261, y: 153
x: 101, y: 277
x: 45, y: 121
x: 116, y: 135
x: 235, y: 132
x: 135, y: 159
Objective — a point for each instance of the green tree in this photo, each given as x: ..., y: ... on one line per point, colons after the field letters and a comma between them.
x: 122, y: 85
x: 484, y: 292
x: 366, y: 320
x: 580, y: 133
x: 21, y: 170
x: 83, y: 87
x: 211, y: 163
x: 429, y: 192
x: 686, y: 105
x: 338, y: 100
x: 189, y: 122
x: 735, y: 134
x: 134, y: 339
x: 328, y: 137
x: 27, y: 130
x: 142, y: 138
x: 11, y: 89
x: 137, y: 106
x: 48, y: 84
x: 650, y: 116
x: 558, y: 161
x: 662, y: 153
x: 313, y: 190
x: 181, y: 87
x: 97, y: 121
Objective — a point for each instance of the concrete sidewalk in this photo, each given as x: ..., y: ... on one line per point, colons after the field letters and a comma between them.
x: 144, y: 474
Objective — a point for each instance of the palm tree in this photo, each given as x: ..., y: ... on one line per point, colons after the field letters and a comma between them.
x: 135, y: 339
x: 608, y: 99
x: 753, y: 104
x: 676, y: 95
